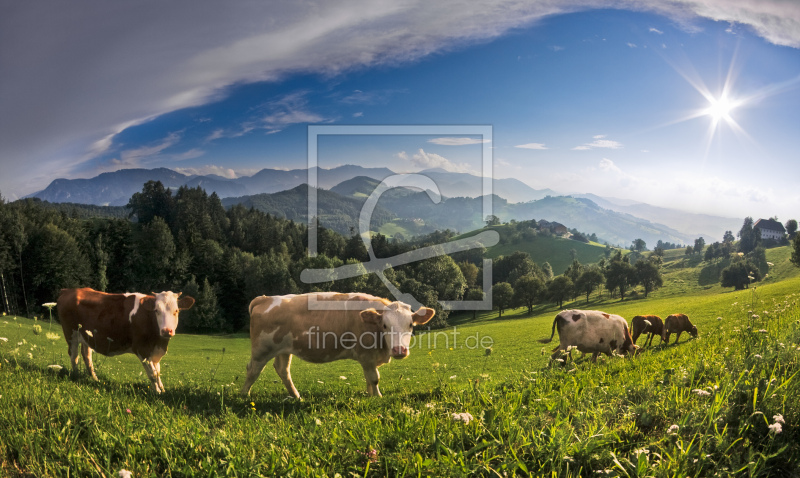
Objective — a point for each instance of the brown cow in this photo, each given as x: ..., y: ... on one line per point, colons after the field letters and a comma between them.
x: 114, y: 324
x: 677, y: 323
x: 326, y: 326
x: 649, y: 324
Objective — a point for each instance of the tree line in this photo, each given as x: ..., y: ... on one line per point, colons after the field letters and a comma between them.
x: 187, y: 241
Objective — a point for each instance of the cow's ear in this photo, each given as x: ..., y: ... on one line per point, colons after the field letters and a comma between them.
x: 423, y: 315
x: 185, y: 303
x: 371, y: 316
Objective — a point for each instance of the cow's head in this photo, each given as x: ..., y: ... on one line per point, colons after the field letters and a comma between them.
x: 693, y: 331
x: 166, y: 307
x: 396, y: 324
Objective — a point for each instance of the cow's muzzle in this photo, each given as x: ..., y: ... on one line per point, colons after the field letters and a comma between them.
x: 399, y: 352
x: 167, y: 332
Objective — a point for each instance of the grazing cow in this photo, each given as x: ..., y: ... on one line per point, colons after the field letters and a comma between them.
x: 591, y: 331
x: 677, y: 323
x: 326, y: 326
x: 114, y: 324
x: 648, y: 324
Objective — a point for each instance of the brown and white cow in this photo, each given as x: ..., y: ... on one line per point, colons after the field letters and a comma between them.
x: 651, y: 325
x: 326, y: 326
x: 591, y: 331
x: 114, y: 324
x: 677, y: 324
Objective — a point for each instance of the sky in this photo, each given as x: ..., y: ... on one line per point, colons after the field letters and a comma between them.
x: 693, y: 105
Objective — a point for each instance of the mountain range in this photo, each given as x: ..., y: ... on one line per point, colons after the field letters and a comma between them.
x: 343, y: 190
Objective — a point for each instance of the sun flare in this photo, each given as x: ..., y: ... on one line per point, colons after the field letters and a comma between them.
x: 720, y: 108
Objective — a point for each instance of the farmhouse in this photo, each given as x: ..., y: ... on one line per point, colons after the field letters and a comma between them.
x: 770, y: 229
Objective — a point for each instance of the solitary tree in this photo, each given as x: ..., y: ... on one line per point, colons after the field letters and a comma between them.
x: 502, y: 296
x: 791, y: 228
x: 699, y: 244
x: 749, y: 237
x: 492, y: 220
x: 740, y: 275
x: 649, y: 276
x: 560, y: 289
x: 639, y: 245
x: 796, y: 250
x: 527, y: 290
x: 589, y: 280
x: 620, y: 275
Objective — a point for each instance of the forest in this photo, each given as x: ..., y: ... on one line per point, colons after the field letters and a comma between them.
x: 188, y: 242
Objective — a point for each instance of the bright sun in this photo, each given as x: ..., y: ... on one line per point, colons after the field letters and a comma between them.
x: 720, y: 108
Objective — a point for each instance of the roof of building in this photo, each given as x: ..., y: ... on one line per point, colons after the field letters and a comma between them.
x: 770, y: 224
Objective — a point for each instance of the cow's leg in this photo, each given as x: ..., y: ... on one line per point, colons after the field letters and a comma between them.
x: 635, y: 337
x: 152, y: 373
x: 372, y: 376
x: 282, y: 364
x: 73, y: 347
x: 594, y: 357
x: 649, y: 340
x: 254, y: 368
x: 86, y: 352
x: 665, y: 337
x: 677, y: 337
x: 157, y: 368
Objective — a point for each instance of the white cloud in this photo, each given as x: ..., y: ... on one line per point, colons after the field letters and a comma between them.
x: 531, y: 146
x: 358, y: 114
x: 457, y: 141
x: 288, y: 110
x: 609, y: 166
x: 557, y: 48
x: 599, y: 142
x: 631, y: 45
x: 656, y: 30
x: 424, y: 160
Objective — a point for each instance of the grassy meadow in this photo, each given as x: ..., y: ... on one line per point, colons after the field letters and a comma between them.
x: 723, y: 404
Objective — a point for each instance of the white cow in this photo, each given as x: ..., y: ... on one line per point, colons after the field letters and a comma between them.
x: 326, y: 326
x: 591, y: 331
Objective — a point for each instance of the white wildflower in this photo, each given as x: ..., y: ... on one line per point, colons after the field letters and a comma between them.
x: 465, y: 417
x: 719, y: 318
x: 775, y: 428
x: 52, y: 336
x: 758, y: 356
x: 342, y: 377
x: 123, y: 473
x: 49, y: 305
x: 754, y: 316
x: 55, y: 368
x: 430, y: 405
x: 30, y: 355
x: 452, y: 377
x: 673, y: 429
x: 89, y: 333
x: 778, y: 418
x: 3, y: 339
x: 317, y: 421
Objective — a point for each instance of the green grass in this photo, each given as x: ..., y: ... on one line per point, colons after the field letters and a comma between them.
x: 531, y: 417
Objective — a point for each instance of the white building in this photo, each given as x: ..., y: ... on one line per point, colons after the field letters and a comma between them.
x: 770, y: 229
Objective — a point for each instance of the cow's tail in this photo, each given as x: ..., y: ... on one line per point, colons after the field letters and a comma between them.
x: 545, y: 341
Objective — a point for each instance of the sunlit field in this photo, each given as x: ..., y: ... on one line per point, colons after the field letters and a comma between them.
x: 723, y: 404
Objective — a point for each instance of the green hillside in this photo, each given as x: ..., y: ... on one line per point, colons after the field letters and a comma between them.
x: 542, y: 248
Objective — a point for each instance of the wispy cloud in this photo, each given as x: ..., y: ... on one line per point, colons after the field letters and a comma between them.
x: 457, y: 141
x: 656, y: 30
x: 631, y: 45
x: 556, y: 47
x: 290, y: 109
x: 531, y: 146
x: 599, y: 142
x: 358, y: 114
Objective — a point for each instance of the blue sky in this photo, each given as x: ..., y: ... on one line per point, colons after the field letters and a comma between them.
x: 581, y: 100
